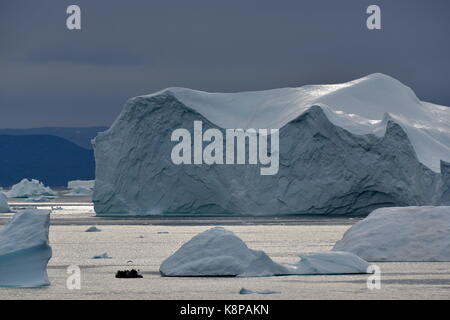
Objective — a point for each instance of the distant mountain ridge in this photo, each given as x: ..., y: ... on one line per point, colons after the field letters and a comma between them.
x: 80, y: 136
x: 50, y: 159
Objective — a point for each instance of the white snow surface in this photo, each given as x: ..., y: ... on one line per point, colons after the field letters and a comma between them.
x: 360, y: 106
x: 29, y: 189
x: 25, y: 250
x: 219, y: 252
x: 4, y: 207
x: 400, y: 234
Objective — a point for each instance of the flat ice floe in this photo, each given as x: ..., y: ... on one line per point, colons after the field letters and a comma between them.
x: 25, y: 250
x: 4, y: 207
x: 29, y: 189
x: 400, y: 234
x: 219, y: 252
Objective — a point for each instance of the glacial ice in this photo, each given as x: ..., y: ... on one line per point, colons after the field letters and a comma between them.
x: 29, y: 189
x: 88, y: 184
x: 344, y: 149
x: 25, y: 250
x: 79, y: 191
x: 79, y: 188
x: 4, y: 207
x: 219, y: 252
x: 400, y: 234
x: 445, y: 184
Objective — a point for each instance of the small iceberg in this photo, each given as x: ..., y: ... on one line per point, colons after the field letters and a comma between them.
x: 4, y: 207
x: 334, y: 262
x: 93, y: 229
x: 39, y: 199
x: 400, y: 234
x: 247, y: 291
x: 102, y: 256
x: 219, y: 252
x: 79, y: 191
x: 30, y: 189
x: 88, y: 184
x: 25, y: 250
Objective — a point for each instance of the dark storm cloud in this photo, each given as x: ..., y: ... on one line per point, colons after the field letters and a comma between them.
x: 52, y: 76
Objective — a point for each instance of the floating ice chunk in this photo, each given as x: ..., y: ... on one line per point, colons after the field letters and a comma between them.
x: 39, y: 199
x: 102, y: 256
x: 93, y: 229
x: 79, y: 191
x: 247, y: 291
x: 329, y: 263
x: 29, y: 189
x: 88, y: 184
x: 219, y: 252
x: 25, y: 250
x: 4, y: 207
x: 400, y: 234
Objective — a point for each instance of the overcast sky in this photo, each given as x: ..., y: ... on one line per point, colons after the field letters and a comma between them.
x: 50, y: 76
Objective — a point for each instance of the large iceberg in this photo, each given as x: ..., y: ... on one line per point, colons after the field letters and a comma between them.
x: 344, y: 149
x: 400, y: 234
x: 4, y: 207
x: 25, y: 250
x: 219, y: 252
x: 29, y: 189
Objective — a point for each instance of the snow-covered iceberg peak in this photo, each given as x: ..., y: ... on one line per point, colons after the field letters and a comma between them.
x: 29, y: 188
x: 400, y: 234
x: 25, y: 249
x: 4, y: 207
x: 358, y: 106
